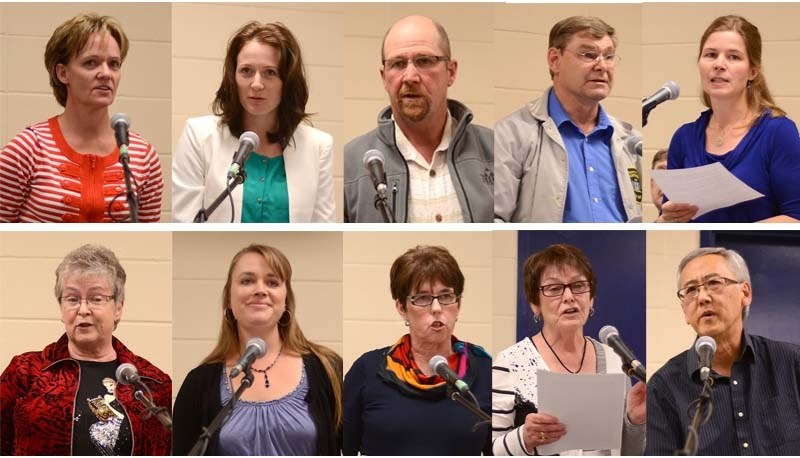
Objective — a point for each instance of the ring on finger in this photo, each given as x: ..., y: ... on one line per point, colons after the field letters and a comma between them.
x: 542, y: 436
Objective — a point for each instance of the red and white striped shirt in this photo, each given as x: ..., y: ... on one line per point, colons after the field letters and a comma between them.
x: 42, y: 179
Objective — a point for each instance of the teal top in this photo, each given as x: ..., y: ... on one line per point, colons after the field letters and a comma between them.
x: 266, y: 196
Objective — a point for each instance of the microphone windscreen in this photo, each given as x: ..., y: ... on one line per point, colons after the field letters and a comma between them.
x: 606, y: 332
x: 372, y: 155
x: 673, y: 88
x: 120, y: 118
x: 705, y: 341
x: 259, y: 344
x: 251, y: 137
x: 436, y: 361
x: 126, y: 373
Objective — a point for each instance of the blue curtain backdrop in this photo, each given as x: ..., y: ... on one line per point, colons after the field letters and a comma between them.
x: 618, y: 260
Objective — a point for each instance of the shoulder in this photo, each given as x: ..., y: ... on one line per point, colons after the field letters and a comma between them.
x: 673, y: 369
x: 371, y: 357
x: 782, y: 126
x: 355, y: 148
x: 612, y: 361
x: 312, y: 134
x: 776, y: 348
x: 29, y: 139
x: 207, y: 126
x: 207, y: 372
x: 522, y: 117
x: 623, y: 127
x: 516, y: 351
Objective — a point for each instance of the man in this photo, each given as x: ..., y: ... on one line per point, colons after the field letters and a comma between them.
x: 562, y: 158
x: 659, y: 163
x: 756, y: 408
x: 438, y: 165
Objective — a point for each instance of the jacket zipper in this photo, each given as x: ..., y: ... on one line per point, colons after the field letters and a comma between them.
x: 462, y: 126
x: 394, y: 199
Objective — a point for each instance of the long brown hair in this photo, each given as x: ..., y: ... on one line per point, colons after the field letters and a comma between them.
x: 758, y: 96
x: 292, y: 336
x: 294, y: 95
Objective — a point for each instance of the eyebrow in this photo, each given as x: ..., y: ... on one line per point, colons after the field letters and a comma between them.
x: 704, y: 278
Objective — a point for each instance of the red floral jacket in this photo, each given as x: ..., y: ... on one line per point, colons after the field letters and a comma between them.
x: 37, y: 402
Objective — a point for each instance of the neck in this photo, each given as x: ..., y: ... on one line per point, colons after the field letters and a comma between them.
x: 582, y: 112
x: 729, y: 348
x: 564, y: 340
x: 270, y: 336
x: 260, y: 125
x: 423, y: 351
x: 730, y: 113
x: 88, y: 122
x: 101, y: 354
x: 424, y: 135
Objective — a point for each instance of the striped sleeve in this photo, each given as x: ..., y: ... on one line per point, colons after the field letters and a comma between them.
x: 506, y: 439
x: 16, y: 170
x: 146, y: 167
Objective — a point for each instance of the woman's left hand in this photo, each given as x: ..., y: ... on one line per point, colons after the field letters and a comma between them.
x: 637, y: 403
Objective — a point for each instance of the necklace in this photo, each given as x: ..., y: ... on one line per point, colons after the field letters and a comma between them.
x: 720, y: 140
x: 264, y: 371
x: 559, y: 359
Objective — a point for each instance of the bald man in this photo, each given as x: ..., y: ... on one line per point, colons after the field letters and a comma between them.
x: 439, y: 167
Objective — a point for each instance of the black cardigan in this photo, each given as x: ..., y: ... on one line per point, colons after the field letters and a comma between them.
x: 198, y: 402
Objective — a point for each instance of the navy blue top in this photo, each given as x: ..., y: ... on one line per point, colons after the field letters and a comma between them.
x: 756, y: 411
x: 767, y: 159
x: 593, y: 194
x: 380, y: 419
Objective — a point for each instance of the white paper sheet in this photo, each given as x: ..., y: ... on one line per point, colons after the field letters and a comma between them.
x: 709, y: 187
x: 591, y: 406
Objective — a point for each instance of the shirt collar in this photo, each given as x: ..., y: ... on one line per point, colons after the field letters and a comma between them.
x: 560, y: 116
x: 693, y: 360
x: 410, y: 153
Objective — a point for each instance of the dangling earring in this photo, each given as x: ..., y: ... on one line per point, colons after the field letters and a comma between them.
x: 289, y: 320
x: 536, y: 318
x: 749, y: 84
x: 591, y: 312
x: 406, y: 323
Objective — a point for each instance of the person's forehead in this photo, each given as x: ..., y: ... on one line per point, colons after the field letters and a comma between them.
x: 564, y: 270
x: 725, y: 40
x: 79, y: 279
x: 585, y: 39
x: 412, y: 35
x: 704, y: 265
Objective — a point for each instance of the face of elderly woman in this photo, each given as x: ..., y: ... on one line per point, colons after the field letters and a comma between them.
x: 570, y: 309
x: 92, y: 76
x: 88, y: 310
x: 258, y: 295
x: 257, y: 78
x: 432, y: 323
x: 724, y: 66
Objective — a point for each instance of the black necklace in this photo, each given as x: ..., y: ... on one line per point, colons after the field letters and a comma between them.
x: 264, y: 371
x: 559, y: 359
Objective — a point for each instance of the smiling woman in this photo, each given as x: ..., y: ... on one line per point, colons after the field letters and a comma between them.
x: 67, y: 169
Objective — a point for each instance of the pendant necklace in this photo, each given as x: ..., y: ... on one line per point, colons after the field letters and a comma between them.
x: 264, y: 371
x: 559, y: 359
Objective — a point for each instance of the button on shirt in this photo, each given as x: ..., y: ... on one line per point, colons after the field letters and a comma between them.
x: 756, y: 411
x: 432, y: 197
x: 592, y: 190
x: 265, y: 198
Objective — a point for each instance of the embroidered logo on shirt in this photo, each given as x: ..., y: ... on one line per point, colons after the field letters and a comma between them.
x: 488, y: 176
x: 636, y: 182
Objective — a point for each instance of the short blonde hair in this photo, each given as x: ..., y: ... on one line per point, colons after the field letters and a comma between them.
x: 69, y: 39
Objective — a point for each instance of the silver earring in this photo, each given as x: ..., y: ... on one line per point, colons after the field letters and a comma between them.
x: 406, y: 323
x: 536, y: 318
x: 591, y: 312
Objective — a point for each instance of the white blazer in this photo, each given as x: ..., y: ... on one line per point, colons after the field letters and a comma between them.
x: 204, y: 153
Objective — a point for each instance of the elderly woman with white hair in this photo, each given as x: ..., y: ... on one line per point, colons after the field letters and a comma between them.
x: 64, y: 400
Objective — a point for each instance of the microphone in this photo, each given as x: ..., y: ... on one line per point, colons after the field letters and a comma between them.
x: 610, y: 336
x: 256, y: 348
x: 438, y: 364
x: 373, y: 162
x: 127, y: 374
x: 634, y: 143
x: 121, y: 123
x: 248, y: 142
x: 705, y: 347
x: 669, y: 91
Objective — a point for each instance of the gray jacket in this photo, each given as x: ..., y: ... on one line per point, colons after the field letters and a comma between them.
x: 469, y: 159
x: 531, y: 167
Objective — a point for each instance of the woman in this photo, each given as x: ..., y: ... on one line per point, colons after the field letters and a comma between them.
x: 394, y: 403
x: 743, y: 130
x: 560, y: 286
x: 263, y: 90
x: 64, y: 400
x: 294, y: 404
x: 67, y: 169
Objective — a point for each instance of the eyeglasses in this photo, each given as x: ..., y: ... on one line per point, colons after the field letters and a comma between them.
x: 425, y: 300
x: 713, y: 285
x: 557, y: 289
x: 591, y: 57
x: 95, y: 300
x: 422, y: 63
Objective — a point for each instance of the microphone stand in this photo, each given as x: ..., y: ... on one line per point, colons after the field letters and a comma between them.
x: 202, y: 442
x: 645, y: 114
x: 701, y: 415
x: 133, y: 205
x: 161, y: 413
x: 203, y: 213
x: 382, y: 205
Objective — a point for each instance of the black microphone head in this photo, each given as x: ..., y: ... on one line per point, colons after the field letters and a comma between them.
x: 673, y: 88
x: 606, y: 332
x: 127, y: 374
x: 258, y: 343
x: 120, y: 119
x: 252, y: 138
x: 705, y: 343
x: 372, y: 155
x: 437, y: 361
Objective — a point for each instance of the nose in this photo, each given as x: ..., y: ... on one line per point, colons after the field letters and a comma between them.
x: 719, y: 62
x: 83, y: 308
x: 567, y: 295
x: 436, y: 307
x: 411, y: 73
x: 257, y: 83
x: 703, y: 296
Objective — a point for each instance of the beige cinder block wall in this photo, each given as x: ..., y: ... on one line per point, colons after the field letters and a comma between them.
x: 201, y: 262
x: 370, y: 318
x: 144, y: 91
x: 200, y: 37
x: 520, y: 54
x: 667, y: 331
x: 468, y: 26
x: 29, y: 312
x: 671, y: 35
x: 504, y: 281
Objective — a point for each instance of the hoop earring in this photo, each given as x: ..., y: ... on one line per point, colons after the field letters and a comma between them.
x: 536, y: 318
x: 229, y: 316
x: 406, y: 323
x: 591, y: 312
x: 288, y: 321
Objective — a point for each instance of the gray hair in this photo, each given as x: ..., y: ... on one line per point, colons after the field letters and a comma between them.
x: 92, y: 259
x: 733, y: 259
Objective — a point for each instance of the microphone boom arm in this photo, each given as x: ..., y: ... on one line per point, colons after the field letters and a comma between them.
x: 202, y: 442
